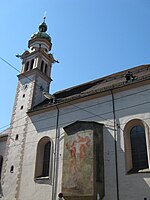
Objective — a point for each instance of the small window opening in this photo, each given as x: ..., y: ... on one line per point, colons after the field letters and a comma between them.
x: 27, y: 66
x: 42, y: 65
x: 12, y: 169
x: 23, y: 95
x: 17, y: 136
x: 21, y: 108
x: 32, y: 63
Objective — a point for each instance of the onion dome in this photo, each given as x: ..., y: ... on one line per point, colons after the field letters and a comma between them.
x: 42, y: 32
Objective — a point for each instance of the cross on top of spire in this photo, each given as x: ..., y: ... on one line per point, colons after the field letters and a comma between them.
x: 44, y: 18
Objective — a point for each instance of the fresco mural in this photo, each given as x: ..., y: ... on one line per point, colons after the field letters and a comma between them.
x: 78, y: 163
x: 83, y: 161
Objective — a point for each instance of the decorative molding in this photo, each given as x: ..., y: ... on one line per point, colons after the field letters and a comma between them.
x: 9, y: 137
x: 18, y: 182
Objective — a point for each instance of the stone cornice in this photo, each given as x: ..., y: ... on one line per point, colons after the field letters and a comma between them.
x: 33, y: 72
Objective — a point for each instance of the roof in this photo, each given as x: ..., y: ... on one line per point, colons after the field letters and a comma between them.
x: 100, y: 85
x: 5, y: 133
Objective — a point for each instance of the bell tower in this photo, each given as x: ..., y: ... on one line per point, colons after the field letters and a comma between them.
x: 37, y: 64
x: 33, y: 80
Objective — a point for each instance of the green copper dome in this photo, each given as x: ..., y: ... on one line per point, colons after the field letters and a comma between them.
x: 43, y: 27
x: 42, y: 32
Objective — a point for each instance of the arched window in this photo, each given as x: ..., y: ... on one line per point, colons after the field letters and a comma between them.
x: 45, y: 69
x: 27, y: 66
x: 46, y: 159
x: 42, y: 65
x: 138, y: 148
x: 1, y: 164
x: 32, y: 63
x: 43, y: 158
x: 136, y: 140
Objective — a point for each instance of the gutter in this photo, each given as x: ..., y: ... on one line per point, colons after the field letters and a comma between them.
x: 56, y: 158
x: 115, y: 143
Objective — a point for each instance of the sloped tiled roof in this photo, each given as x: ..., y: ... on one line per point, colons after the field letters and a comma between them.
x: 97, y: 86
x: 5, y: 133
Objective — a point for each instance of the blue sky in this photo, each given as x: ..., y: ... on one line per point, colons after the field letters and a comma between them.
x: 91, y: 39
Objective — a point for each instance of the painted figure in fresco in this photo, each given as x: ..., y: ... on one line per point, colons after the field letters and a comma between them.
x: 84, y: 143
x: 72, y: 149
x: 77, y: 150
x: 72, y: 167
x: 80, y: 145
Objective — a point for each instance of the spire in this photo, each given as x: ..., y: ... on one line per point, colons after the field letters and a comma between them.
x: 41, y: 34
x: 43, y: 26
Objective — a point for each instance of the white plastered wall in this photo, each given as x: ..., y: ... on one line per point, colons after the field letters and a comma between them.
x: 129, y: 105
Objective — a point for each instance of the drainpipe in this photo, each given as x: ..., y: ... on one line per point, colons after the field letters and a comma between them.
x: 115, y: 140
x: 56, y: 156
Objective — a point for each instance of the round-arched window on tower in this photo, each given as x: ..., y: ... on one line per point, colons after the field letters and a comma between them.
x: 32, y: 63
x: 42, y: 66
x: 27, y: 66
x: 45, y: 69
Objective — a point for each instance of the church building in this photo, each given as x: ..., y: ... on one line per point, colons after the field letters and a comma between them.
x: 87, y: 142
